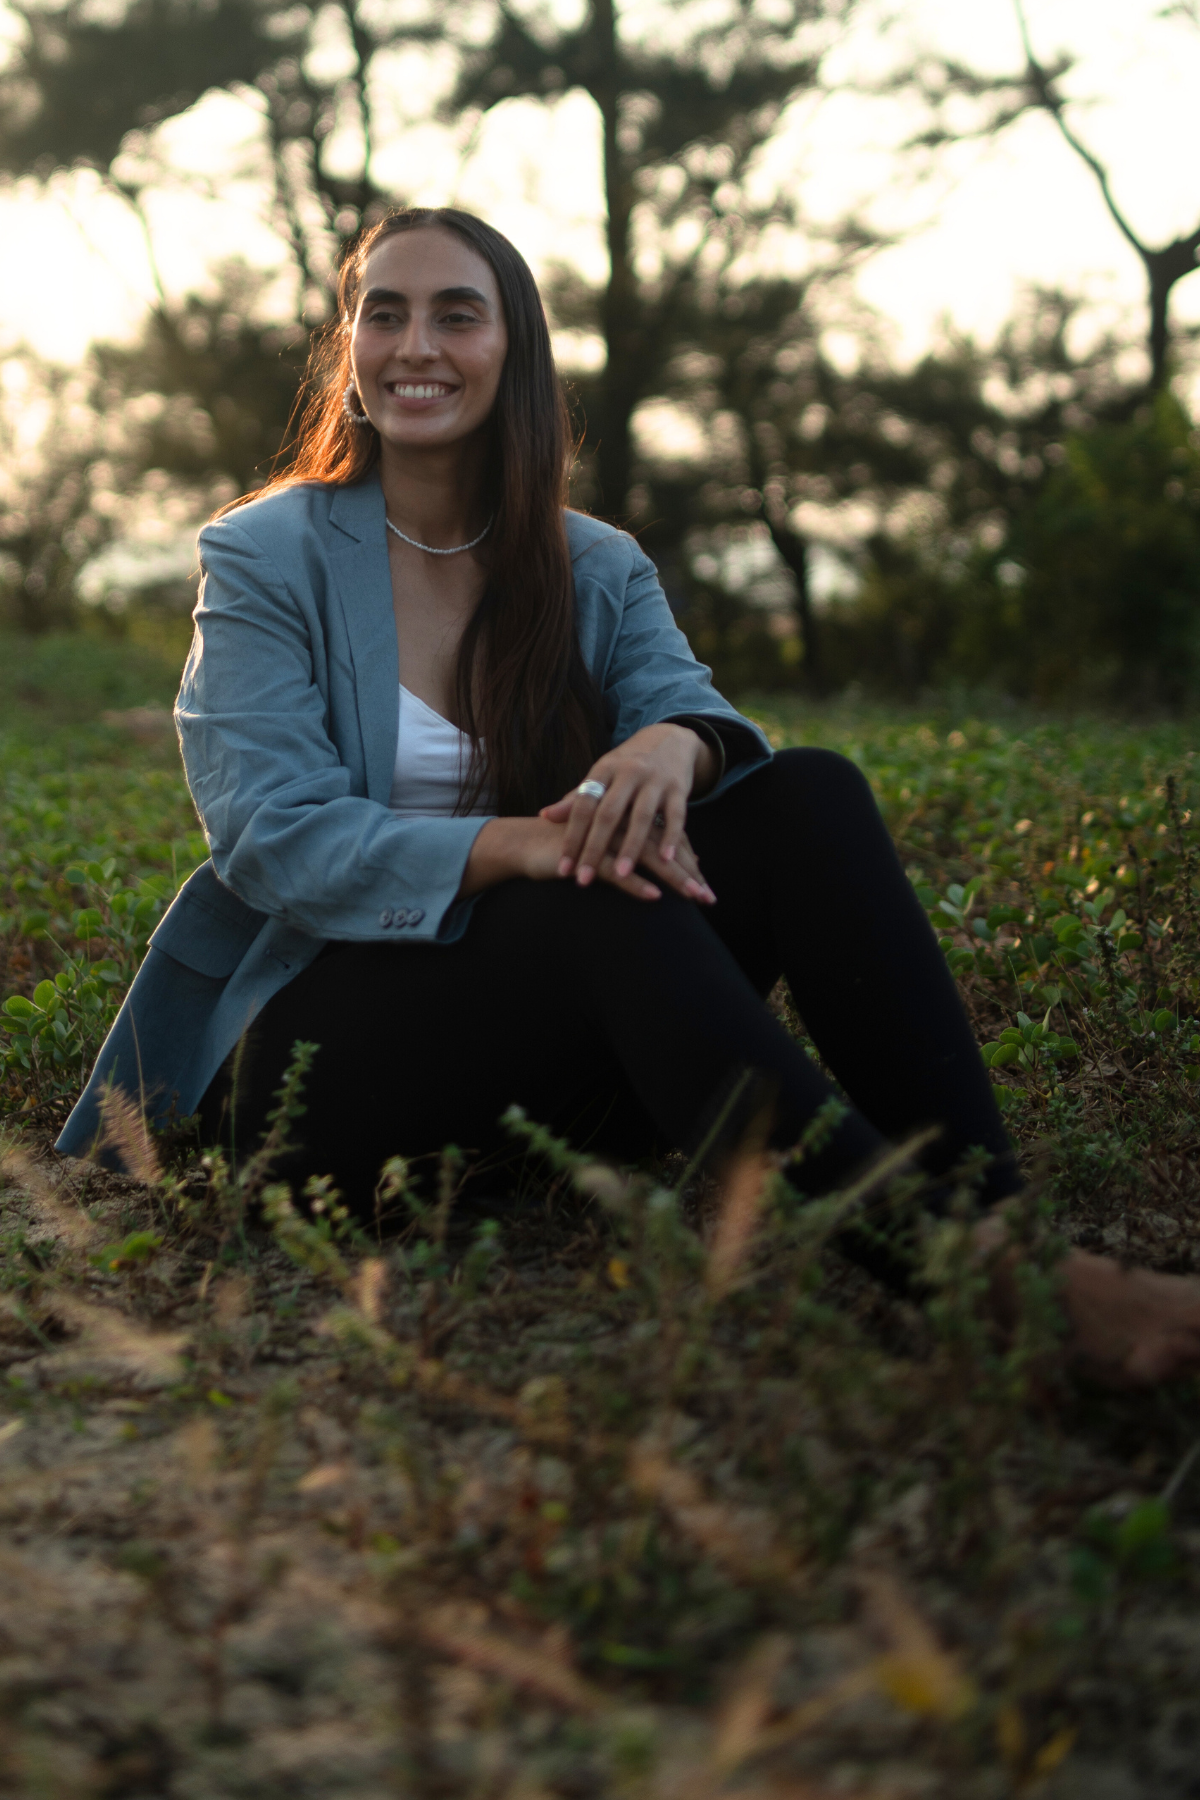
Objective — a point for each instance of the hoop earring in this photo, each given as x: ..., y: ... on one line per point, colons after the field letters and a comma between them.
x: 360, y: 418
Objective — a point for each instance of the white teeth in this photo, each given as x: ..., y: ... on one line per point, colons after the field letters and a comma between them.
x: 413, y: 390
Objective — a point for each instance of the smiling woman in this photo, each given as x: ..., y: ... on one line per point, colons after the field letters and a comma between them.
x: 438, y: 373
x: 458, y: 771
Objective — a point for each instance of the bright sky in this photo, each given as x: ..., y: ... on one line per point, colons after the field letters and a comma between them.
x: 987, y: 220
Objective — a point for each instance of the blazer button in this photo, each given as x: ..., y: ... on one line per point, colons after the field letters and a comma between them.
x: 400, y: 918
x: 385, y: 917
x: 416, y: 915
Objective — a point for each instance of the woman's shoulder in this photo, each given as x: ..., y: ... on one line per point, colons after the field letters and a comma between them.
x: 606, y: 548
x: 277, y: 517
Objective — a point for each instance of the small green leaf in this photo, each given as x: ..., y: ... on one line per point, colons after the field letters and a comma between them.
x: 138, y: 1247
x: 18, y: 1007
x: 44, y: 993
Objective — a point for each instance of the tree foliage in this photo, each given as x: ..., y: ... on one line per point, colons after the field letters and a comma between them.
x: 685, y: 111
x: 1038, y: 87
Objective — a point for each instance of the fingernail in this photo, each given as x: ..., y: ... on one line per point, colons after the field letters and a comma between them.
x: 653, y: 893
x: 708, y: 893
x: 692, y: 888
x: 624, y: 867
x: 668, y: 855
x: 565, y: 866
x: 584, y: 876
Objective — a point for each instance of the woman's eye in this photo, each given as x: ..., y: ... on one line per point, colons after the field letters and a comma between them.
x: 459, y: 318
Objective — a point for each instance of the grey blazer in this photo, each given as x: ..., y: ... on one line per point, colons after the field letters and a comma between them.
x: 287, y: 718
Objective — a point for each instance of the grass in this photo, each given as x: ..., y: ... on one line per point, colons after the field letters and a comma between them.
x: 633, y: 1488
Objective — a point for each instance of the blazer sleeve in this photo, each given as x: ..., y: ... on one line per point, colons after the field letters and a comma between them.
x: 285, y: 830
x: 653, y: 677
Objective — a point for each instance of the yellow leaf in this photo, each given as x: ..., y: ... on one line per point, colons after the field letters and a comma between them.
x: 618, y: 1272
x: 1010, y: 1735
x: 1055, y: 1750
x: 926, y: 1683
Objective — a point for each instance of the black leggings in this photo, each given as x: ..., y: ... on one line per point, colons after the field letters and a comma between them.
x: 624, y: 1024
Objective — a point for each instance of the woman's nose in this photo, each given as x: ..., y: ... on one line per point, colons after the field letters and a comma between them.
x: 417, y: 342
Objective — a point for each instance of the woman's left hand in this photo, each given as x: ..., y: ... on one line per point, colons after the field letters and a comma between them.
x: 649, y: 777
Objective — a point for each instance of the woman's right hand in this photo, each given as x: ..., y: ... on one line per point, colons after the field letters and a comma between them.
x: 533, y: 848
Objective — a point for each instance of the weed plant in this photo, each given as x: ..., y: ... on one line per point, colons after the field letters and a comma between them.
x: 628, y: 1485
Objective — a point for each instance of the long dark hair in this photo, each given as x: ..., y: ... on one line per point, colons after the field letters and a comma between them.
x: 521, y: 687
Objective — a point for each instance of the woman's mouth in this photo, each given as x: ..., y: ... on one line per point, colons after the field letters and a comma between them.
x: 419, y: 390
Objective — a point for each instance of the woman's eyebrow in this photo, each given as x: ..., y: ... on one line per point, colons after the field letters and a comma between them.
x: 375, y: 295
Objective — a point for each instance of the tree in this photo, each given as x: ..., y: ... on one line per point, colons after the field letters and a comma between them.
x: 221, y: 378
x: 686, y: 101
x: 81, y: 81
x: 931, y: 470
x: 1039, y: 87
x: 685, y: 110
x: 49, y: 519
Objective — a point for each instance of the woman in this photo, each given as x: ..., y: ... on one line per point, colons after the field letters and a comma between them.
x: 482, y: 830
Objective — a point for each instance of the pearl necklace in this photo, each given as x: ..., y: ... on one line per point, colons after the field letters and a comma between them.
x: 431, y: 550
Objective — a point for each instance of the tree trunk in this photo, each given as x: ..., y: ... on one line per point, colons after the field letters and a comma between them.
x: 619, y: 310
x: 1164, y: 267
x: 1161, y: 283
x: 794, y: 551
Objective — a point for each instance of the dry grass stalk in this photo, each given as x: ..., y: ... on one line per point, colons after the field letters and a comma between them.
x: 112, y: 1347
x: 125, y: 1130
x: 740, y: 1539
x: 750, y: 1702
x: 326, y: 1476
x: 231, y: 1300
x: 916, y: 1672
x: 66, y: 1221
x: 452, y: 1631
x: 741, y: 1205
x: 198, y: 1444
x: 369, y: 1288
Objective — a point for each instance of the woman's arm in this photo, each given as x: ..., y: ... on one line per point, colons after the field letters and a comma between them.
x: 535, y: 849
x: 287, y: 830
x: 665, y: 717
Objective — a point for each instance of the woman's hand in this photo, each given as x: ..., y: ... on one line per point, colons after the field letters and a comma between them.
x: 505, y: 848
x: 649, y: 780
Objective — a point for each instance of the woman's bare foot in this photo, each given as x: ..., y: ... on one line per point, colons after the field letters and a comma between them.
x: 1129, y: 1327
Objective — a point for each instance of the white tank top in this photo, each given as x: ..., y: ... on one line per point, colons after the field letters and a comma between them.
x: 432, y: 759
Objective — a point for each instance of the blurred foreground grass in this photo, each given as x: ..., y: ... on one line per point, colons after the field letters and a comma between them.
x: 632, y: 1487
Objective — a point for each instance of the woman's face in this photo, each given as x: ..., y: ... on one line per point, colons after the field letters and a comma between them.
x: 429, y: 339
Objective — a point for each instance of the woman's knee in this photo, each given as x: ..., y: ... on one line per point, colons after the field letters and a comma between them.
x: 821, y: 778
x: 548, y: 921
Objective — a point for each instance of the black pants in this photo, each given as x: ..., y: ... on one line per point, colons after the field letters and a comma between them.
x: 624, y: 1024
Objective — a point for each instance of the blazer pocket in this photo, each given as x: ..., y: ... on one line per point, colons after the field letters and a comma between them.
x: 206, y: 927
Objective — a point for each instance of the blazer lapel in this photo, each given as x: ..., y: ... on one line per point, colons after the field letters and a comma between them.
x: 359, y: 560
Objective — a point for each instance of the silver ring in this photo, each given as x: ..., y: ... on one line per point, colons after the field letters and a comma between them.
x: 592, y: 790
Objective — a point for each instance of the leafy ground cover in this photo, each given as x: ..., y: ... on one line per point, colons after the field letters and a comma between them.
x: 630, y: 1485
